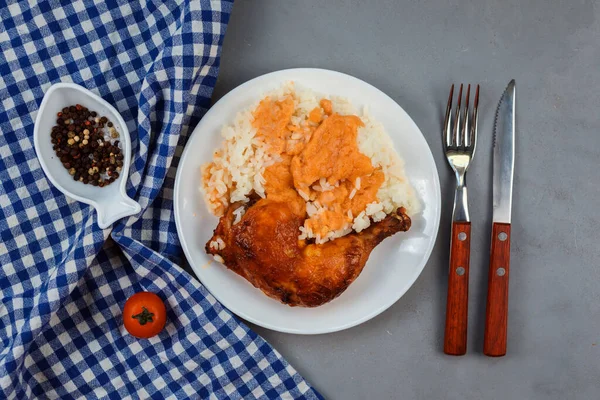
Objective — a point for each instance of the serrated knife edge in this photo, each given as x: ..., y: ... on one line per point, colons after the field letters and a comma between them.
x: 503, y: 154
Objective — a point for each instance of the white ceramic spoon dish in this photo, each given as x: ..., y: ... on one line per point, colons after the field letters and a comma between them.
x: 111, y: 202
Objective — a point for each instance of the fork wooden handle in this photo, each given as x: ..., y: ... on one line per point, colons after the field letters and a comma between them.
x: 455, y: 334
x: 496, y: 313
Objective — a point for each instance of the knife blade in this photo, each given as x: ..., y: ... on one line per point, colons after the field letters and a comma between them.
x: 504, y: 155
x: 496, y: 319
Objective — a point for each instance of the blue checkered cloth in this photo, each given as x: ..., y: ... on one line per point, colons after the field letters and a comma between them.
x: 63, y: 280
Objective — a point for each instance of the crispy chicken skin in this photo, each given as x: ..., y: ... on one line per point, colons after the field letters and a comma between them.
x: 263, y: 247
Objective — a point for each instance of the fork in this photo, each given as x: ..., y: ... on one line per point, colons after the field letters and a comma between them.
x: 459, y: 139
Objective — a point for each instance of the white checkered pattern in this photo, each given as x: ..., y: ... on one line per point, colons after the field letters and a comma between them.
x: 63, y: 281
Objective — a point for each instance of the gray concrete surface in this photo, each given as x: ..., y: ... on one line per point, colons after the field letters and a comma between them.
x: 414, y: 50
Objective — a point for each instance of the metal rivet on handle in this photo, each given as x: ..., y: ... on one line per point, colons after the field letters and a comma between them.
x: 502, y: 236
x: 500, y: 271
x: 462, y: 236
x: 460, y: 271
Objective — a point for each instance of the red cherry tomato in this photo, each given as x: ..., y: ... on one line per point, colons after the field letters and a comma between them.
x: 144, y: 315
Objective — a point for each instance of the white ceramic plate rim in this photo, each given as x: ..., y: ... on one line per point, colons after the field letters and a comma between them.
x: 289, y: 75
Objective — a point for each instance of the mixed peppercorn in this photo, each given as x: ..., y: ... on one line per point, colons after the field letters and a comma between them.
x: 86, y: 149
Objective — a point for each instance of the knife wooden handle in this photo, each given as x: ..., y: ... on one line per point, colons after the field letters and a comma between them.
x: 455, y: 333
x: 496, y: 314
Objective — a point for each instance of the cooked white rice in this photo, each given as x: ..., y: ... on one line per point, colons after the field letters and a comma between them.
x: 238, y: 166
x: 218, y: 244
x: 239, y: 213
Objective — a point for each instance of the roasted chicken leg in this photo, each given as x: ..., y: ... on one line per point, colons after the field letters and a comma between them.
x: 264, y: 248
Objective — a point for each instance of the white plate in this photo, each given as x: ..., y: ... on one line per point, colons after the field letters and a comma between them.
x: 393, y: 266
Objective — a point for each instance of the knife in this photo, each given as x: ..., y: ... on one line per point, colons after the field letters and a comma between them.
x: 496, y: 318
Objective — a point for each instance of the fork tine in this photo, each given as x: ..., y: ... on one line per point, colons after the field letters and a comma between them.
x: 448, y: 120
x: 456, y: 129
x: 465, y: 132
x: 473, y: 131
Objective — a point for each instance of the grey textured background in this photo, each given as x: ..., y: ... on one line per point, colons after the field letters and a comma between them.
x: 413, y: 51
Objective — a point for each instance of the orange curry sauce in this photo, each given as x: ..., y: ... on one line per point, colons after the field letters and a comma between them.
x: 323, y: 146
